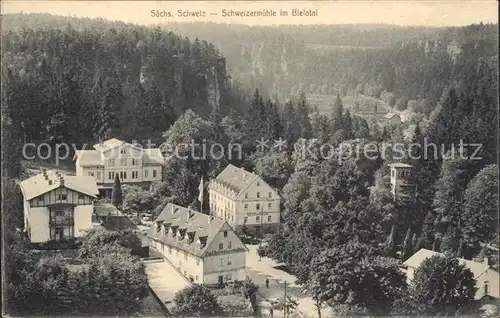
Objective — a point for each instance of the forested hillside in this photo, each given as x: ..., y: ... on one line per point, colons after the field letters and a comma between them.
x: 78, y: 80
x: 413, y: 63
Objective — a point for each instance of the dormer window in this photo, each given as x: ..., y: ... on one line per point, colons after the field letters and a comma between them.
x: 258, y: 194
x: 246, y: 195
x: 258, y: 184
x: 269, y: 194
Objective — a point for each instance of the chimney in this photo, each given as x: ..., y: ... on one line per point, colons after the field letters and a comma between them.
x: 61, y: 180
x: 46, y: 177
x: 50, y: 182
x: 486, y: 261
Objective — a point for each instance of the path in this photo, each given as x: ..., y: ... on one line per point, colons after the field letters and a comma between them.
x: 258, y: 271
x: 164, y: 279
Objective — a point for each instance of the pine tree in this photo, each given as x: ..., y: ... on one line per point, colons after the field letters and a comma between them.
x: 407, y: 246
x: 275, y: 126
x: 390, y: 245
x: 427, y: 236
x: 414, y: 243
x: 290, y: 125
x: 303, y: 117
x: 116, y: 195
x: 337, y: 115
x: 257, y: 118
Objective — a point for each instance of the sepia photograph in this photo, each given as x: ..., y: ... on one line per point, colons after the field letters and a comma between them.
x: 295, y: 159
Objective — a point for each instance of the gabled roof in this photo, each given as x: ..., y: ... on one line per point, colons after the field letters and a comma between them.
x: 236, y: 179
x: 108, y: 144
x: 39, y: 184
x: 390, y: 115
x: 475, y: 267
x: 204, y: 227
x: 399, y: 165
x: 96, y: 157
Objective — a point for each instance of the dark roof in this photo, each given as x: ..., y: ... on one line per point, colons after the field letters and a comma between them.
x: 118, y: 223
x: 193, y: 226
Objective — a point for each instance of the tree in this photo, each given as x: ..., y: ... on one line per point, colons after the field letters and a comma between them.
x: 287, y: 305
x: 138, y: 200
x: 390, y: 244
x: 480, y: 217
x: 407, y: 246
x: 353, y: 275
x: 337, y: 115
x: 116, y: 195
x: 303, y: 119
x: 441, y: 286
x: 97, y: 240
x: 250, y: 292
x: 196, y: 300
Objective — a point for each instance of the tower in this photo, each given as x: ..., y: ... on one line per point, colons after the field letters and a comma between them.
x: 399, y: 172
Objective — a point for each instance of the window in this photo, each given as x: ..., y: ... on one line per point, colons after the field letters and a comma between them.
x: 123, y: 150
x: 221, y: 262
x: 197, y: 278
x: 154, y: 173
x: 197, y: 264
x: 123, y: 161
x: 91, y: 173
x: 61, y: 197
x: 229, y: 263
x: 40, y: 199
x: 81, y: 196
x: 269, y: 194
x: 135, y: 174
x: 258, y: 183
x: 134, y: 162
x: 98, y: 174
x: 110, y: 175
x: 169, y: 250
x: 246, y: 195
x: 486, y: 287
x: 185, y: 273
x: 146, y: 173
x: 257, y: 218
x: 221, y: 246
x: 245, y: 219
x: 258, y: 194
x: 246, y: 206
x: 232, y: 218
x: 257, y: 206
x: 229, y: 245
x: 225, y: 233
x: 111, y: 162
x: 269, y: 205
x: 268, y: 218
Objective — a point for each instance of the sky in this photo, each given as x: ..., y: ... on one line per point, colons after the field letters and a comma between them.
x: 406, y: 13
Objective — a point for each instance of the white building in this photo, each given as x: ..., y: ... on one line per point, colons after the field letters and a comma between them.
x: 132, y: 163
x: 487, y: 279
x: 243, y: 198
x: 57, y: 206
x: 204, y: 249
x: 399, y: 173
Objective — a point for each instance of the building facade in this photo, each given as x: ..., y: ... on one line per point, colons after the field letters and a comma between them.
x: 487, y: 279
x: 244, y: 199
x: 204, y: 249
x: 399, y: 182
x: 56, y: 206
x: 132, y: 163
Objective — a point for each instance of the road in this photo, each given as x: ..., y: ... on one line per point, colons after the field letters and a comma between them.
x: 260, y: 270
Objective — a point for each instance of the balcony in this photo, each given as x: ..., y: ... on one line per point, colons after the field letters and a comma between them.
x: 62, y: 221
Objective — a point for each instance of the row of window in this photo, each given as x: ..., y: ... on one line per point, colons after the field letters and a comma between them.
x: 62, y: 197
x: 269, y: 194
x: 401, y: 173
x: 123, y: 174
x: 257, y: 206
x: 257, y: 219
x: 123, y: 162
x: 177, y: 253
